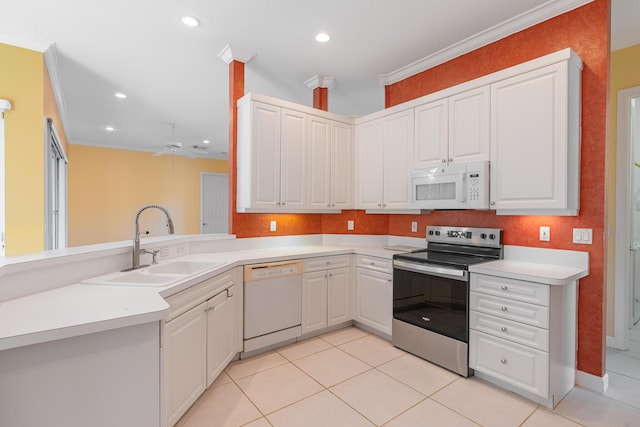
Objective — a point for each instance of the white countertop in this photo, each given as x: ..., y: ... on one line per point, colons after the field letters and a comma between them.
x: 531, y: 271
x: 79, y: 309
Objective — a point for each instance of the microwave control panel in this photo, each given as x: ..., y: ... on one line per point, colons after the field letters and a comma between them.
x: 477, y: 193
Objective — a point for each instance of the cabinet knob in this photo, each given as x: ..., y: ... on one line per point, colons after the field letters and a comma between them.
x: 503, y: 308
x: 384, y: 205
x: 372, y: 263
x: 284, y: 203
x: 504, y: 288
x: 503, y: 361
x: 450, y: 160
x: 379, y: 205
x: 503, y: 329
x: 333, y: 205
x: 444, y: 160
x: 492, y: 203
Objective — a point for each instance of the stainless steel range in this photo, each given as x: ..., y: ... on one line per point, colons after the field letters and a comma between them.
x: 431, y: 293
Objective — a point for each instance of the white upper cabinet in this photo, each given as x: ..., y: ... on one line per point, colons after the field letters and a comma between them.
x: 292, y: 158
x: 431, y: 134
x: 453, y: 130
x: 383, y: 161
x: 535, y: 141
x: 330, y: 164
x: 469, y: 126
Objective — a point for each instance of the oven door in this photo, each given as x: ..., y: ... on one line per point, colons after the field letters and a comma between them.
x: 432, y: 298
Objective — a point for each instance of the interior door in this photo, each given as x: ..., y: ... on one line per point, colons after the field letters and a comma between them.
x: 214, y: 203
x: 634, y: 134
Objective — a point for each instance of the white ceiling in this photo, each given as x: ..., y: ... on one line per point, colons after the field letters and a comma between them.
x: 172, y: 73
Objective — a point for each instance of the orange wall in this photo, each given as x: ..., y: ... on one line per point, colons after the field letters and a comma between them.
x: 107, y: 187
x: 586, y: 30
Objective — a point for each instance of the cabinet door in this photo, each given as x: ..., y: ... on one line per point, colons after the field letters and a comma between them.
x: 398, y: 145
x: 314, y: 301
x: 369, y: 165
x: 373, y: 299
x: 184, y: 362
x: 469, y: 126
x: 319, y: 163
x: 529, y: 139
x: 220, y: 333
x: 339, y: 290
x: 341, y: 165
x: 265, y: 152
x: 431, y: 134
x: 293, y: 152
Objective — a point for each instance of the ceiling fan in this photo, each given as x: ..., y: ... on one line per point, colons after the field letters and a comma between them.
x: 174, y: 147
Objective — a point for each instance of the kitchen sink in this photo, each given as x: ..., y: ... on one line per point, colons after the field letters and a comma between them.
x: 155, y: 275
x: 142, y: 278
x: 181, y: 267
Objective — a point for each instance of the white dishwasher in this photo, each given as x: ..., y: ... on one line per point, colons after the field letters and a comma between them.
x: 272, y: 303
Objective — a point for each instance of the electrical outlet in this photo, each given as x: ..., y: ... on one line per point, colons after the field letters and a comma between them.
x: 164, y: 252
x: 272, y: 226
x: 414, y: 226
x: 181, y: 248
x: 545, y: 234
x: 350, y: 224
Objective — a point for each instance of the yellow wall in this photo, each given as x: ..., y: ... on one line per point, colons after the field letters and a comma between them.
x: 22, y: 83
x: 107, y: 187
x: 625, y: 64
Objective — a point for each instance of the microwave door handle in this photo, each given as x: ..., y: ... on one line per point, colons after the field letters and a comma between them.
x: 463, y: 189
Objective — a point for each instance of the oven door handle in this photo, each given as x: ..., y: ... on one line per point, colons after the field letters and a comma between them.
x: 437, y: 271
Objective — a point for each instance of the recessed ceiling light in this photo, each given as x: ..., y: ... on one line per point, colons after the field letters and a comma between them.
x: 206, y: 141
x: 189, y: 21
x: 322, y: 37
x: 109, y: 128
x: 120, y: 95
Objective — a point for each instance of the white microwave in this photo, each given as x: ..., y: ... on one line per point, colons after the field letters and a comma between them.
x: 463, y: 186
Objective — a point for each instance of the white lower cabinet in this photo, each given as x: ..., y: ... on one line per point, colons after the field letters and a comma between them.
x: 202, y: 335
x: 326, y: 292
x: 374, y: 293
x: 523, y: 336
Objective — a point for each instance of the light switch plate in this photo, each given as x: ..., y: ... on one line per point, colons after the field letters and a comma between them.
x: 272, y: 226
x: 545, y: 234
x: 414, y: 226
x: 350, y: 224
x: 583, y: 236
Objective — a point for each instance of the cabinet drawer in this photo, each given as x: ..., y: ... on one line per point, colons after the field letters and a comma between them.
x: 519, y: 290
x: 326, y: 263
x: 513, y: 331
x: 183, y: 301
x: 509, y: 309
x: 523, y: 367
x: 374, y: 263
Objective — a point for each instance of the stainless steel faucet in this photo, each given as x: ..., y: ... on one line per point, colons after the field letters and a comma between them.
x: 136, y: 236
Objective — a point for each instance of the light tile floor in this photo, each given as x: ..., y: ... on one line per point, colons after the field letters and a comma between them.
x: 352, y: 378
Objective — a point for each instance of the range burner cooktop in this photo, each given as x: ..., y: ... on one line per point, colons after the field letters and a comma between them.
x: 458, y: 247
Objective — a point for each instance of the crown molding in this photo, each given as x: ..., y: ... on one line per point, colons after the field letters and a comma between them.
x: 511, y: 26
x: 51, y: 61
x: 320, y: 81
x: 24, y: 42
x: 227, y: 55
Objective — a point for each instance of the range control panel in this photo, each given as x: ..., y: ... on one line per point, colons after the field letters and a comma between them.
x: 491, y: 237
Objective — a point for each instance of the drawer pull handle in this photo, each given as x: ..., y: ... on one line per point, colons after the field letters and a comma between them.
x: 504, y: 288
x: 503, y: 308
x: 372, y: 263
x: 503, y: 361
x: 503, y: 329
